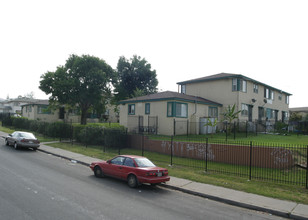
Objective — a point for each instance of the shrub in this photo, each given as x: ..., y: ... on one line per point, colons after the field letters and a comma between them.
x: 59, y: 130
x: 20, y: 123
x: 115, y: 138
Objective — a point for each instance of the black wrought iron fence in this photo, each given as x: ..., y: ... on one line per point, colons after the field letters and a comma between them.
x: 285, y: 164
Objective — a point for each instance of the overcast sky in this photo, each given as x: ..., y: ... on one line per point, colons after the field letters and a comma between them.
x: 264, y: 40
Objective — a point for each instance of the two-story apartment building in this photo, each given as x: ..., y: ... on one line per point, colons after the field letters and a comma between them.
x: 255, y: 100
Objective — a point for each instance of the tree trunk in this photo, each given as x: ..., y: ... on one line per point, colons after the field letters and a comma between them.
x: 83, y: 116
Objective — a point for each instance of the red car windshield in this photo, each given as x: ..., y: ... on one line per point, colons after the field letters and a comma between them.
x: 144, y: 162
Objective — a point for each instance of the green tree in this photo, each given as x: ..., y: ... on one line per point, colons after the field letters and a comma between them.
x: 295, y: 116
x: 134, y: 78
x: 82, y: 82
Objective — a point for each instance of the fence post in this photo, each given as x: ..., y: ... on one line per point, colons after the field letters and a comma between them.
x: 174, y: 127
x: 187, y: 126
x: 250, y: 159
x: 142, y: 144
x: 226, y: 131
x: 171, y: 151
x: 206, y: 150
x: 246, y: 129
x: 307, y: 168
x: 234, y: 130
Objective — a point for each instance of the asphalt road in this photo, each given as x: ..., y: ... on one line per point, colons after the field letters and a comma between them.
x: 35, y: 185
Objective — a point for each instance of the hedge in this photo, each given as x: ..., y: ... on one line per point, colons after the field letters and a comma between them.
x: 111, y: 135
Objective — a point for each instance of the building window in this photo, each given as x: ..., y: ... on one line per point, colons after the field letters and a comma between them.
x: 147, y: 108
x: 285, y: 116
x: 131, y: 109
x: 255, y: 88
x: 244, y: 110
x: 183, y: 89
x: 234, y: 85
x: 43, y: 110
x: 287, y: 99
x: 239, y: 85
x: 176, y: 109
x: 268, y: 93
x: 213, y: 112
x: 271, y: 113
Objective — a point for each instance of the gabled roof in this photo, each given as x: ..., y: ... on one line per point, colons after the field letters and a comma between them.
x: 38, y: 102
x: 299, y: 109
x: 220, y: 76
x: 168, y: 95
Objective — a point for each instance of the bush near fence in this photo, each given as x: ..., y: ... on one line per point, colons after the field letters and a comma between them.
x: 91, y: 134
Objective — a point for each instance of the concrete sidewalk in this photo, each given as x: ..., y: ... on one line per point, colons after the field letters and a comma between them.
x: 277, y: 207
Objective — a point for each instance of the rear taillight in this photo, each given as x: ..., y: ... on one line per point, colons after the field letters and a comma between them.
x: 151, y: 173
x: 24, y: 140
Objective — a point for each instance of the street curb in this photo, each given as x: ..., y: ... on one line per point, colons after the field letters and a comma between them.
x: 61, y: 156
x: 234, y: 203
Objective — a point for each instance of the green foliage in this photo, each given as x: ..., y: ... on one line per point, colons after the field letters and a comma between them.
x: 295, y: 116
x: 135, y: 78
x: 81, y: 81
x: 59, y: 130
x: 281, y: 127
x: 230, y: 114
x: 115, y: 138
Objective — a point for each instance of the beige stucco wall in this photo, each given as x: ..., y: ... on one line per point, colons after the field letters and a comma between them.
x: 165, y: 124
x: 221, y: 91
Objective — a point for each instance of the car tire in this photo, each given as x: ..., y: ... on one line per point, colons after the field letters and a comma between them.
x: 7, y: 143
x: 16, y: 146
x: 98, y: 172
x: 132, y: 181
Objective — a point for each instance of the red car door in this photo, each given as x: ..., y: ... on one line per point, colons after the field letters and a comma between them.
x: 128, y: 167
x: 114, y: 167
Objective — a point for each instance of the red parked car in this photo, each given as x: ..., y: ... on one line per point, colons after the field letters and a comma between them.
x: 133, y: 169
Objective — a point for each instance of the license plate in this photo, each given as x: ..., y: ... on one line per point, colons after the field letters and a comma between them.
x: 159, y: 174
x: 30, y: 142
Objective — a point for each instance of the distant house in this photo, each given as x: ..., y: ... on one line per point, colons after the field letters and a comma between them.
x: 39, y: 110
x: 13, y: 106
x: 158, y: 113
x: 303, y: 111
x: 255, y: 100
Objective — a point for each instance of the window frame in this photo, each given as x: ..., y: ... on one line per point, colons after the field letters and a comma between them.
x: 244, y: 110
x: 173, y: 111
x: 239, y: 85
x: 131, y: 109
x: 147, y: 108
x: 256, y: 88
x: 183, y: 89
x: 210, y: 113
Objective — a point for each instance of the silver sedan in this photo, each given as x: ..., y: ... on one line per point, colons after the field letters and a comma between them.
x: 22, y: 139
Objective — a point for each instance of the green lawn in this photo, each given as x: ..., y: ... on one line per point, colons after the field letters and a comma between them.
x: 292, y: 139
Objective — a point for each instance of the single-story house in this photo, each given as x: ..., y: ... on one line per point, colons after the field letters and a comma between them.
x: 158, y: 113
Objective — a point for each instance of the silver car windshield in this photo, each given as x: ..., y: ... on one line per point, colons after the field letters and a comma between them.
x: 144, y: 162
